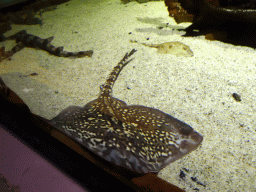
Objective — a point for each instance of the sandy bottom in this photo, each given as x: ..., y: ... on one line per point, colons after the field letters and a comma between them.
x: 197, y: 90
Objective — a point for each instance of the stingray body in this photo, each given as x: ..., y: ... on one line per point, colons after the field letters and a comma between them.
x: 139, y: 138
x: 173, y: 47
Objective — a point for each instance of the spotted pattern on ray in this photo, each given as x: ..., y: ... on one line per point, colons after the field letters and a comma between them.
x: 139, y: 138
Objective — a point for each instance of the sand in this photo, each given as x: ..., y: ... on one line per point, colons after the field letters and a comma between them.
x: 197, y: 90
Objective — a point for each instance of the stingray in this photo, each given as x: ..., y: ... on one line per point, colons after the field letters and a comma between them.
x: 139, y: 138
x: 174, y: 47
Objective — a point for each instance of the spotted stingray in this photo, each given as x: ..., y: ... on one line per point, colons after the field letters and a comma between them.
x: 136, y: 137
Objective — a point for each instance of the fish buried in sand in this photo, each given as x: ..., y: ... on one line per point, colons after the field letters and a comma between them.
x: 139, y: 138
x: 174, y: 48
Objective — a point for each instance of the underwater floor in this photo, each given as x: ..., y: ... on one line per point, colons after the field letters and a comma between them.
x: 197, y: 90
